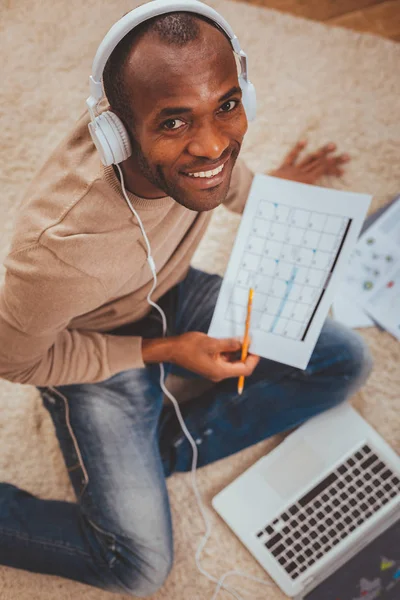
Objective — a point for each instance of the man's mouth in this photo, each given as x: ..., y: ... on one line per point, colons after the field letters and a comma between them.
x: 207, y: 179
x: 207, y: 174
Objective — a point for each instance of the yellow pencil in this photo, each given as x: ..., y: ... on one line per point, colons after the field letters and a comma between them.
x: 246, y: 340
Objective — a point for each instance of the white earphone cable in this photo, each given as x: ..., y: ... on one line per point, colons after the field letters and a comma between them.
x: 220, y: 582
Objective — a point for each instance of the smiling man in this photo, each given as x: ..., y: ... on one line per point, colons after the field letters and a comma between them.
x: 75, y: 322
x: 184, y: 112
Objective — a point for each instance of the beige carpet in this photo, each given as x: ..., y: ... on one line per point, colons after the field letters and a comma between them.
x: 312, y: 80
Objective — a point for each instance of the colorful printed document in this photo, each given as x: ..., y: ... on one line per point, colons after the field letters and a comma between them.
x: 371, y: 284
x: 292, y: 247
x: 384, y: 304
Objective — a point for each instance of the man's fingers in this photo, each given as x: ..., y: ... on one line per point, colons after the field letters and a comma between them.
x: 318, y: 155
x: 252, y: 361
x: 228, y: 345
x: 329, y: 166
x: 238, y: 368
x: 293, y: 155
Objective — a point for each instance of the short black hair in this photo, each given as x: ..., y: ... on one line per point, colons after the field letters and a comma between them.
x: 176, y: 28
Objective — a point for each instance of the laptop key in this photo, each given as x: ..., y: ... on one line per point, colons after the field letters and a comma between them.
x: 332, y: 533
x: 318, y: 489
x: 290, y: 567
x: 378, y: 467
x: 316, y: 546
x: 278, y: 550
x: 269, y: 530
x: 277, y: 538
x: 300, y: 559
x: 369, y: 461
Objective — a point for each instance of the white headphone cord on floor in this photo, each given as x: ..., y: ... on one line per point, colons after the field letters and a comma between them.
x: 220, y: 582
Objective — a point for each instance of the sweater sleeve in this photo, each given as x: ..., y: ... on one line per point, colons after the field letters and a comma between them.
x: 36, y: 306
x: 239, y: 189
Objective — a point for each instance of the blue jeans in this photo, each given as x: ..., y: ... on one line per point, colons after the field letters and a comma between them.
x: 120, y: 442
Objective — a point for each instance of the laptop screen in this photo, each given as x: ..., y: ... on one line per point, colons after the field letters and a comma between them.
x: 373, y: 573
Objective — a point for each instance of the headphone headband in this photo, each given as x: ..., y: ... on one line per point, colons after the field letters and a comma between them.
x: 137, y: 16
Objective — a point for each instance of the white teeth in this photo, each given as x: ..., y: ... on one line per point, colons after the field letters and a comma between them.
x: 207, y: 173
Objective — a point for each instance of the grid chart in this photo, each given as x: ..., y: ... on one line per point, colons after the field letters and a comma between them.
x: 288, y: 256
x: 331, y: 511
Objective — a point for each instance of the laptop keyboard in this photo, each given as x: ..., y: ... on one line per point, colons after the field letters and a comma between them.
x: 328, y: 513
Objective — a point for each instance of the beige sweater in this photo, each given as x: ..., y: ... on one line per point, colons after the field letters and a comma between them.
x: 77, y: 267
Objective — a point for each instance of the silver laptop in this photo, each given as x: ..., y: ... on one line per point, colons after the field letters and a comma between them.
x: 321, y: 512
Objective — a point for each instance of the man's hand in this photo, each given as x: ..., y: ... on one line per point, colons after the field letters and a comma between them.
x: 209, y: 357
x: 313, y: 166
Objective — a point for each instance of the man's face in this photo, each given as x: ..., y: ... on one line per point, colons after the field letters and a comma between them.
x: 188, y: 120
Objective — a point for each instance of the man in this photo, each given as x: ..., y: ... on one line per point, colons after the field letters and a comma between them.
x: 74, y: 320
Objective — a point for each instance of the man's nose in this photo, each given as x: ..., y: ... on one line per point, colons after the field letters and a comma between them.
x: 208, y: 142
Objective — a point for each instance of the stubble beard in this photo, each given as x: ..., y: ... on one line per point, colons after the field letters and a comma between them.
x: 210, y: 198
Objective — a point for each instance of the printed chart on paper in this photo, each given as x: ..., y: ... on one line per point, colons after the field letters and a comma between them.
x: 292, y: 246
x: 289, y: 255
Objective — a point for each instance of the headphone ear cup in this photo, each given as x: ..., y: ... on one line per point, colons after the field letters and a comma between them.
x: 110, y: 138
x: 249, y: 98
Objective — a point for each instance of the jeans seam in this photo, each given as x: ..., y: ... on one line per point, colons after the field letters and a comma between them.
x: 74, y: 440
x: 67, y: 549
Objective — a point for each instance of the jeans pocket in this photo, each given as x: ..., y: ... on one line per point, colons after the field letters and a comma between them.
x: 57, y: 405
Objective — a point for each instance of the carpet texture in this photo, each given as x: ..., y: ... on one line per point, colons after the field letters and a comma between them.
x: 313, y: 81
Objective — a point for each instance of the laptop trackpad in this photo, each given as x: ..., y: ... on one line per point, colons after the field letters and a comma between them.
x: 294, y: 468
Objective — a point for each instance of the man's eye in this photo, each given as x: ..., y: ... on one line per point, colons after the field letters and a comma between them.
x: 228, y: 106
x: 173, y: 124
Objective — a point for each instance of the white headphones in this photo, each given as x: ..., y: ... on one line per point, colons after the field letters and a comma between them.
x: 107, y: 130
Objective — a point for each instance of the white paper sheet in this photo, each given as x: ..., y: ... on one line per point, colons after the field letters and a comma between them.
x: 292, y: 247
x: 348, y: 313
x: 370, y: 266
x: 384, y: 304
